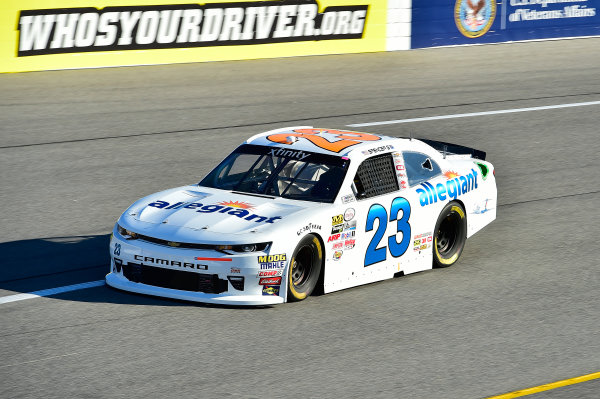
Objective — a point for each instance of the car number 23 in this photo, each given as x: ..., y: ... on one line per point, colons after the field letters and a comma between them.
x: 397, y: 249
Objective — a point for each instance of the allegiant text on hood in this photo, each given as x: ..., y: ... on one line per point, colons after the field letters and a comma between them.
x: 212, y: 208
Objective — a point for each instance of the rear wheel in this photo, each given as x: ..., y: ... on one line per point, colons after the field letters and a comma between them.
x: 450, y: 235
x: 304, y: 269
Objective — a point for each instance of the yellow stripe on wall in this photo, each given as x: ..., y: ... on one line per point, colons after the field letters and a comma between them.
x: 373, y: 39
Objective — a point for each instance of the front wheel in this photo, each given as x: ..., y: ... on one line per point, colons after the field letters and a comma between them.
x: 304, y: 269
x: 450, y: 235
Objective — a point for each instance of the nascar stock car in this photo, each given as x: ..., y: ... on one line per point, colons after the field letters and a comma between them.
x: 298, y: 209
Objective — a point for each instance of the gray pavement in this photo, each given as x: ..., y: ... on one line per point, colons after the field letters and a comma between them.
x: 520, y: 309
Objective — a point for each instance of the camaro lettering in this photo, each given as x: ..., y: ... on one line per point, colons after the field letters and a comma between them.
x: 200, y: 208
x: 428, y: 194
x: 166, y: 262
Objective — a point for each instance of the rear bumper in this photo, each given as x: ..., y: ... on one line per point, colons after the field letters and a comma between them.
x: 120, y: 282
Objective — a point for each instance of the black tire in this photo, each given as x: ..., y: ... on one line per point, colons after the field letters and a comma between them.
x: 305, y: 268
x: 450, y: 235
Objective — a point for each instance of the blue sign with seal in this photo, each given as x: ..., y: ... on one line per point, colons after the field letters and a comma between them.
x: 443, y: 23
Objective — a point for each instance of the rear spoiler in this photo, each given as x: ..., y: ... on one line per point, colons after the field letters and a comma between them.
x: 455, y: 149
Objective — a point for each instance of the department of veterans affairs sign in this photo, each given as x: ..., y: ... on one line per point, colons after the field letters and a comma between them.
x: 441, y: 23
x: 474, y: 17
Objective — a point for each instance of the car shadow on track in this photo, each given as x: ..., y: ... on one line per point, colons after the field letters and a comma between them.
x: 44, y: 263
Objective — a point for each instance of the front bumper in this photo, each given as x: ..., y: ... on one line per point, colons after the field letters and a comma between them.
x: 187, y: 274
x: 118, y: 281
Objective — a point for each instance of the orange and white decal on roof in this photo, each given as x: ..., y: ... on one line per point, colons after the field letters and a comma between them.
x: 344, y: 139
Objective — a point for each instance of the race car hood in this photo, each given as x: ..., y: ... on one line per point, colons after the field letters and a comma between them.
x: 211, y: 210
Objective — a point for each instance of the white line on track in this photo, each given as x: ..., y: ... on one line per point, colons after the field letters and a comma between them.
x: 452, y: 116
x: 51, y: 291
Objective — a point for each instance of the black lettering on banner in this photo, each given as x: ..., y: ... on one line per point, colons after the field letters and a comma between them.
x: 78, y: 30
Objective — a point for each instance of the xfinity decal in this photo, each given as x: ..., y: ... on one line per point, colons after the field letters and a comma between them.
x: 281, y: 152
x: 230, y: 208
x: 75, y: 30
x: 454, y: 187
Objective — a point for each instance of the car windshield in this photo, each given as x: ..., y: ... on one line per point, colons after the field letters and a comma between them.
x: 280, y: 172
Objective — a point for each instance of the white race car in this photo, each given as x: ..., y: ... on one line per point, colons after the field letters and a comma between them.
x: 301, y: 209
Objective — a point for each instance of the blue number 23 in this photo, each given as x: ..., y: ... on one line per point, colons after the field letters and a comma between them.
x: 397, y: 249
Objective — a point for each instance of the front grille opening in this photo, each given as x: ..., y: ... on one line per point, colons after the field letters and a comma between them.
x: 174, y: 279
x: 175, y: 244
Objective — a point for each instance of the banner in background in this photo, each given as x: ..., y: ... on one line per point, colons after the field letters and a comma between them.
x: 41, y: 35
x: 443, y: 22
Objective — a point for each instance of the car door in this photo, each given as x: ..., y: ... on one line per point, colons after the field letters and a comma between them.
x: 419, y: 170
x: 383, y: 218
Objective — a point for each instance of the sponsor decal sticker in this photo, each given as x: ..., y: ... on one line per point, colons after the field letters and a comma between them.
x: 349, y: 214
x: 400, y: 170
x: 338, y: 228
x: 337, y: 219
x: 78, y: 30
x: 376, y: 150
x: 350, y: 225
x: 270, y: 281
x: 234, y: 208
x: 451, y: 174
x: 272, y: 261
x: 348, y: 234
x: 484, y: 169
x: 270, y: 290
x: 334, y: 237
x: 346, y: 199
x: 337, y: 245
x: 308, y: 228
x: 349, y: 244
x: 483, y: 208
x: 284, y: 152
x: 236, y: 270
x: 337, y: 255
x: 270, y: 273
x: 454, y: 187
x: 422, y: 241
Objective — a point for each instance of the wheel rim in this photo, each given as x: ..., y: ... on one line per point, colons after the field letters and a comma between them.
x: 301, y: 266
x: 446, y: 236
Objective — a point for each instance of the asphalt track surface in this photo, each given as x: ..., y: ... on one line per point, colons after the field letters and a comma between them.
x: 520, y: 309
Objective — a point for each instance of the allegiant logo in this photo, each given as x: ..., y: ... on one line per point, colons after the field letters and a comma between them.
x: 452, y: 189
x: 230, y: 210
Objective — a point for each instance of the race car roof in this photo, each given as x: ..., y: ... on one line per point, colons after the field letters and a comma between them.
x: 322, y: 140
